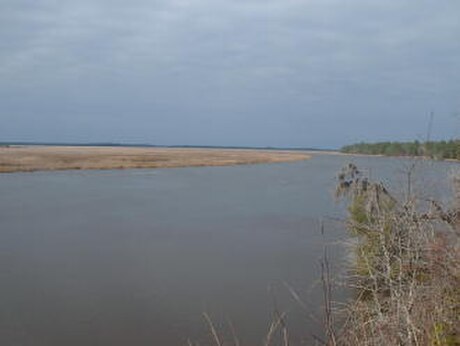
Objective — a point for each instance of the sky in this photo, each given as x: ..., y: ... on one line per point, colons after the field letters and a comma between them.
x: 285, y: 73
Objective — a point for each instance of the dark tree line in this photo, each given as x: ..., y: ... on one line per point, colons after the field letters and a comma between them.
x: 437, y: 150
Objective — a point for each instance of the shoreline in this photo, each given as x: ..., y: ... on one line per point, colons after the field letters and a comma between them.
x: 34, y: 158
x: 418, y: 157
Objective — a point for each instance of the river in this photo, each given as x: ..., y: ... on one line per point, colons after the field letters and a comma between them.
x: 135, y: 257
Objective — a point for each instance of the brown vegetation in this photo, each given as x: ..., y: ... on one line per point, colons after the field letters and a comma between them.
x: 406, y: 271
x: 45, y: 158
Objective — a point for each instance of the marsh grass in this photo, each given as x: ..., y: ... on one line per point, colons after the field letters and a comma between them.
x: 50, y: 158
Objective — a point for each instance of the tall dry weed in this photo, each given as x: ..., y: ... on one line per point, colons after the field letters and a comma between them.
x: 406, y: 272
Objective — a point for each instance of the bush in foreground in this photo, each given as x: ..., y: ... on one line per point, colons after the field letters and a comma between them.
x: 406, y: 271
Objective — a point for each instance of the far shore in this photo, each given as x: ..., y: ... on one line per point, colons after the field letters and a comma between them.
x: 52, y: 158
x: 408, y: 157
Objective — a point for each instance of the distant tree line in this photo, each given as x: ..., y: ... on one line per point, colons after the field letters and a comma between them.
x: 434, y: 149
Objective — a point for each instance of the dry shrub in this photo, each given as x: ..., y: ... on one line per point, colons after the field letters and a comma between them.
x: 406, y: 272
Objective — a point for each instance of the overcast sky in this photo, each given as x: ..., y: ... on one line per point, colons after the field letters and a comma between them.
x: 312, y: 73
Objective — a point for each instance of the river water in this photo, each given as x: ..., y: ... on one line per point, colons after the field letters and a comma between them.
x: 136, y: 257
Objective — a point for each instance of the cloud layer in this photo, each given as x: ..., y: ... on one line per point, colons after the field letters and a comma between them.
x: 284, y: 73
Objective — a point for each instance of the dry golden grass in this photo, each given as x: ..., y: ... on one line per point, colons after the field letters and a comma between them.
x: 46, y: 158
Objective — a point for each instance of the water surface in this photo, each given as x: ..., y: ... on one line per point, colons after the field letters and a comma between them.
x: 135, y: 257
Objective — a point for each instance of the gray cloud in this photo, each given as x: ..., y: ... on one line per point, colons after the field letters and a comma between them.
x: 274, y: 72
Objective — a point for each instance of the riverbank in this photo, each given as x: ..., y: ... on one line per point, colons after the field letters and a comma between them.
x: 408, y: 157
x: 51, y: 158
x: 440, y: 150
x: 406, y: 266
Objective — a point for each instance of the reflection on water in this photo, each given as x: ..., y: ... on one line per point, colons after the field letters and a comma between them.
x: 135, y: 257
